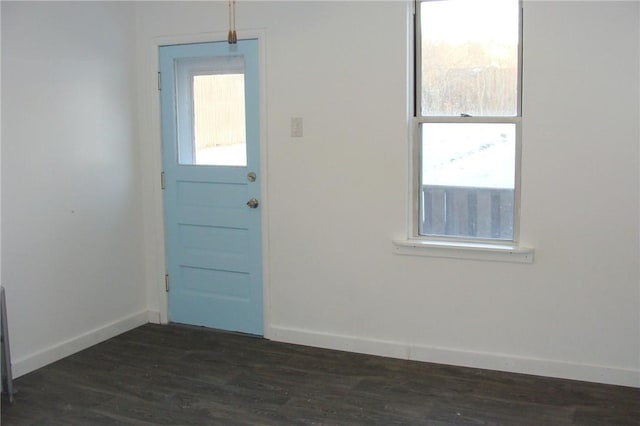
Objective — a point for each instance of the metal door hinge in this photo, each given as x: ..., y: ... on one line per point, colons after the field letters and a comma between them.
x: 162, y: 180
x: 159, y: 81
x: 166, y: 283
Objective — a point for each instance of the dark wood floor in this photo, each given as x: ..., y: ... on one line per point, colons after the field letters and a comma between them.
x: 160, y: 375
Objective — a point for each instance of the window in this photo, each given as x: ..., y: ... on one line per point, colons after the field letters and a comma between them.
x: 219, y: 120
x: 468, y: 79
x: 211, y: 117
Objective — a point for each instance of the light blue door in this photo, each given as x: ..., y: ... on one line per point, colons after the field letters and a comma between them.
x: 211, y: 160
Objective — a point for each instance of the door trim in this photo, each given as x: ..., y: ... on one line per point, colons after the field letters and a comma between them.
x: 151, y: 138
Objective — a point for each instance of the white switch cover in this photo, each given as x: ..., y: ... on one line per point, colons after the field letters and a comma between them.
x: 296, y: 127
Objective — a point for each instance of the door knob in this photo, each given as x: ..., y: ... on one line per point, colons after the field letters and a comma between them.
x: 253, y: 203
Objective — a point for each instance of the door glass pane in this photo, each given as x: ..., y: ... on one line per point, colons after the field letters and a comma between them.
x: 468, y: 179
x: 469, y: 57
x: 210, y: 101
x: 219, y: 120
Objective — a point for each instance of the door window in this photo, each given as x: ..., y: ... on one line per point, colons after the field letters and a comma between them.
x: 211, y: 111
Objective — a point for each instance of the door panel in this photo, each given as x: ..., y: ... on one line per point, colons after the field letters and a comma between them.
x: 210, y: 138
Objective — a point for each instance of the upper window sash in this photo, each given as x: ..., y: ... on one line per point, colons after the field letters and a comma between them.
x: 421, y: 108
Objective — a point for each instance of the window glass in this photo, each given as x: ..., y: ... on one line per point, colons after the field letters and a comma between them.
x: 210, y: 99
x: 219, y: 120
x: 468, y: 179
x: 469, y: 57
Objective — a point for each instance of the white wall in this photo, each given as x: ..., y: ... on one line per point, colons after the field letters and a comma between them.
x: 71, y: 220
x: 338, y: 196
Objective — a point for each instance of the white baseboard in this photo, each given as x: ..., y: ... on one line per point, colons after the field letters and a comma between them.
x: 484, y: 360
x: 56, y: 352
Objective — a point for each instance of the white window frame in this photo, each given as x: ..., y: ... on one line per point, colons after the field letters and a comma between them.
x: 453, y: 246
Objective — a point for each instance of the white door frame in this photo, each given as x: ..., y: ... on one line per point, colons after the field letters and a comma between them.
x: 153, y: 209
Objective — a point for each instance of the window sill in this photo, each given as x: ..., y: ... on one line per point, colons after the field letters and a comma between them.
x: 464, y: 250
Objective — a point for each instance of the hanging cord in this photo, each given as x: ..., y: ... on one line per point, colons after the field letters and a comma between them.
x: 232, y: 37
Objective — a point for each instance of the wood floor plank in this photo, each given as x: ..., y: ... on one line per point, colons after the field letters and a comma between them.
x: 180, y: 375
